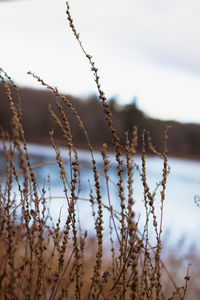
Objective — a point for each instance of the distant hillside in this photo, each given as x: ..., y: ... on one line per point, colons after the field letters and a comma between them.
x: 183, y: 141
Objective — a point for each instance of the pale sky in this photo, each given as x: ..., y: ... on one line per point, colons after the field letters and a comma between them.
x: 144, y: 48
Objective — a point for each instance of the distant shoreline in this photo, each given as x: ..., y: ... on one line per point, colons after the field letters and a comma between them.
x: 97, y: 148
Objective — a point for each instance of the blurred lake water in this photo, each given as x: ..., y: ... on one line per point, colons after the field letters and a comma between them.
x: 181, y: 214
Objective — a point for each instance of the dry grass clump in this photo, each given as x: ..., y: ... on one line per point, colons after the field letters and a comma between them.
x: 40, y: 260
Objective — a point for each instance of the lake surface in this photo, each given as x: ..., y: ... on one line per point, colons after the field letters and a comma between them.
x: 181, y: 214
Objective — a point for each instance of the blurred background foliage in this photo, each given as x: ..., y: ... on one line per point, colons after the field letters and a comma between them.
x: 183, y: 140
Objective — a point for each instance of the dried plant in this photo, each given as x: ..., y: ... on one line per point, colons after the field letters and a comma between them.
x: 43, y: 261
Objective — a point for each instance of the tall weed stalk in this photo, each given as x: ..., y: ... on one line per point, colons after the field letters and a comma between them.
x: 40, y: 260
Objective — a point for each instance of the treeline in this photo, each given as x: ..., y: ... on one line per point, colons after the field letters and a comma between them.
x: 183, y: 140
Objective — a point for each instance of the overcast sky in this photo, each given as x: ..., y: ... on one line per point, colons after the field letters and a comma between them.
x: 144, y: 48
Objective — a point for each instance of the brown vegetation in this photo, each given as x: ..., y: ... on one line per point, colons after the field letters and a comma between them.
x: 42, y: 261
